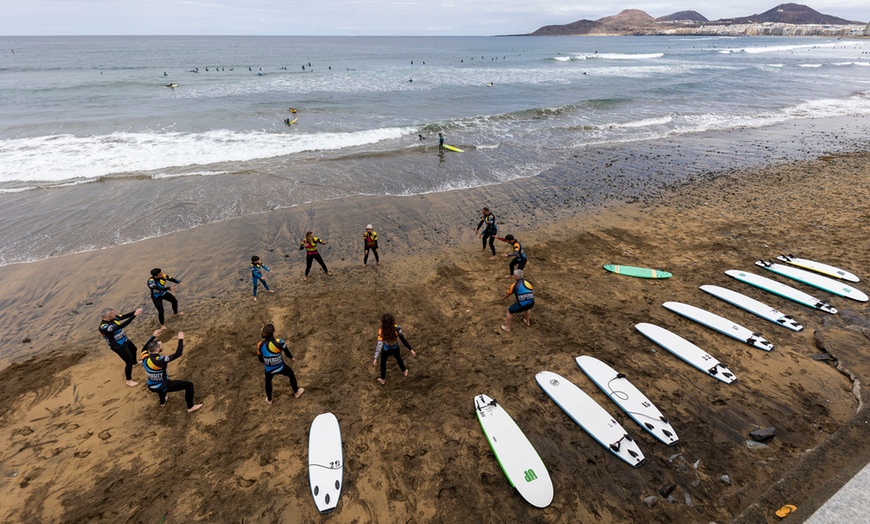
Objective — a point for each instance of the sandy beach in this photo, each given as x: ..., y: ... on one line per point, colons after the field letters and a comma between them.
x: 80, y: 446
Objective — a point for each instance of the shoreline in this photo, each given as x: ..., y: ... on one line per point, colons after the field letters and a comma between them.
x: 445, y: 294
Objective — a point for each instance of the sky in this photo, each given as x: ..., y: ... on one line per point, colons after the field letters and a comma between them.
x: 352, y: 17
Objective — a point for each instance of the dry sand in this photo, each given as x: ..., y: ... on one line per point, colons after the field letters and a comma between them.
x: 80, y: 446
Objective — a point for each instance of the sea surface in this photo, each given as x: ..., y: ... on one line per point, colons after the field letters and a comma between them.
x: 96, y: 150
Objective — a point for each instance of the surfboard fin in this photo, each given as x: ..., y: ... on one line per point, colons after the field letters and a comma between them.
x: 620, y: 375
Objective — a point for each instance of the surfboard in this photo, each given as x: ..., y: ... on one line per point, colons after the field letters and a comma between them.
x: 517, y: 457
x: 639, y: 272
x: 816, y: 280
x: 778, y: 288
x: 590, y: 416
x: 818, y: 267
x: 293, y: 121
x: 629, y: 398
x: 753, y: 306
x: 325, y: 465
x: 688, y: 352
x: 451, y: 148
x: 720, y: 324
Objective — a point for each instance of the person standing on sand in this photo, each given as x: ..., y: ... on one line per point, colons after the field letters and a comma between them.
x: 518, y: 254
x: 522, y: 291
x: 160, y: 291
x: 257, y: 268
x: 158, y: 379
x: 269, y: 354
x: 370, y: 242
x: 112, y: 330
x: 489, y: 231
x: 309, y: 244
x: 389, y: 336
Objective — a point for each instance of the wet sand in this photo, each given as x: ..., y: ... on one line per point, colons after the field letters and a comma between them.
x: 81, y: 446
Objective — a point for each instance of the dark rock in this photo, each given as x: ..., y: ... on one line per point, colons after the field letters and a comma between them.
x: 823, y: 357
x: 666, y: 489
x: 763, y: 435
x: 821, y: 344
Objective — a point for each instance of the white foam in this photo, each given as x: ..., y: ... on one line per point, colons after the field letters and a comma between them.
x: 646, y: 122
x: 775, y: 48
x: 60, y: 158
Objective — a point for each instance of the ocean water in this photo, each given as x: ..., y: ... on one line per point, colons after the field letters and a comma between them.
x: 95, y: 151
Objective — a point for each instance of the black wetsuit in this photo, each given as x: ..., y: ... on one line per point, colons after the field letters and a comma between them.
x: 385, y: 349
x: 159, y: 293
x: 158, y: 378
x: 113, y: 332
x: 489, y: 231
x: 269, y: 353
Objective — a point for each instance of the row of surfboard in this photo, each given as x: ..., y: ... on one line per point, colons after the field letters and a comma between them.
x: 517, y: 457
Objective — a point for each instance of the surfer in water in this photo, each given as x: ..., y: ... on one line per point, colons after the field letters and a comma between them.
x: 269, y: 354
x: 489, y: 231
x: 158, y: 379
x: 309, y: 244
x: 370, y: 242
x: 440, y: 140
x: 518, y: 254
x: 522, y: 291
x: 389, y: 336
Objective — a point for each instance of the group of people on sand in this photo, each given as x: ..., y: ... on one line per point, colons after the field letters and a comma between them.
x: 269, y: 349
x: 521, y: 288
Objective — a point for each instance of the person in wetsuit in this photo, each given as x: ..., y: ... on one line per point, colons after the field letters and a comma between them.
x: 257, y: 268
x: 389, y: 336
x: 518, y: 254
x: 489, y: 231
x: 370, y: 242
x: 112, y: 329
x: 269, y: 354
x: 160, y: 291
x: 158, y: 379
x: 440, y: 140
x: 521, y: 289
x: 309, y: 244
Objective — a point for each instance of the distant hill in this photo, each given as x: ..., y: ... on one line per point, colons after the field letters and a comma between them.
x: 791, y: 14
x: 637, y: 22
x: 691, y: 16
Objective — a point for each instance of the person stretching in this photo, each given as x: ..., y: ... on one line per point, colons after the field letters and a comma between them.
x: 489, y: 231
x: 370, y: 242
x: 518, y: 254
x: 522, y: 290
x: 257, y: 274
x: 309, y: 244
x: 269, y: 354
x: 112, y: 330
x: 160, y: 291
x: 389, y: 336
x: 158, y: 379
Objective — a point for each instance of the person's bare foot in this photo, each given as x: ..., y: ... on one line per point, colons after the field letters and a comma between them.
x: 305, y: 279
x: 405, y: 373
x: 194, y: 408
x: 268, y: 401
x: 270, y: 290
x: 131, y: 383
x: 179, y: 314
x: 382, y: 381
x: 329, y: 273
x: 299, y: 392
x: 506, y: 328
x: 493, y: 257
x: 255, y: 299
x: 526, y: 322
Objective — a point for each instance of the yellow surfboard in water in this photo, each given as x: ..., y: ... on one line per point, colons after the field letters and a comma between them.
x: 451, y: 148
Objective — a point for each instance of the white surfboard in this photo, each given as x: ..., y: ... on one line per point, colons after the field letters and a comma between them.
x: 325, y: 462
x: 753, y: 306
x: 635, y: 404
x: 778, y: 288
x: 690, y: 353
x: 816, y: 280
x: 517, y: 457
x: 594, y: 419
x: 818, y: 267
x: 720, y: 324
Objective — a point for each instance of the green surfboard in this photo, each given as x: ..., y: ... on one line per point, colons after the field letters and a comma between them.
x: 639, y: 272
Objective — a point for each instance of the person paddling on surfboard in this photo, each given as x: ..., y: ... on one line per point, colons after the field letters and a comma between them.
x: 269, y: 354
x: 489, y: 231
x: 389, y: 336
x: 522, y: 291
x: 518, y: 254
